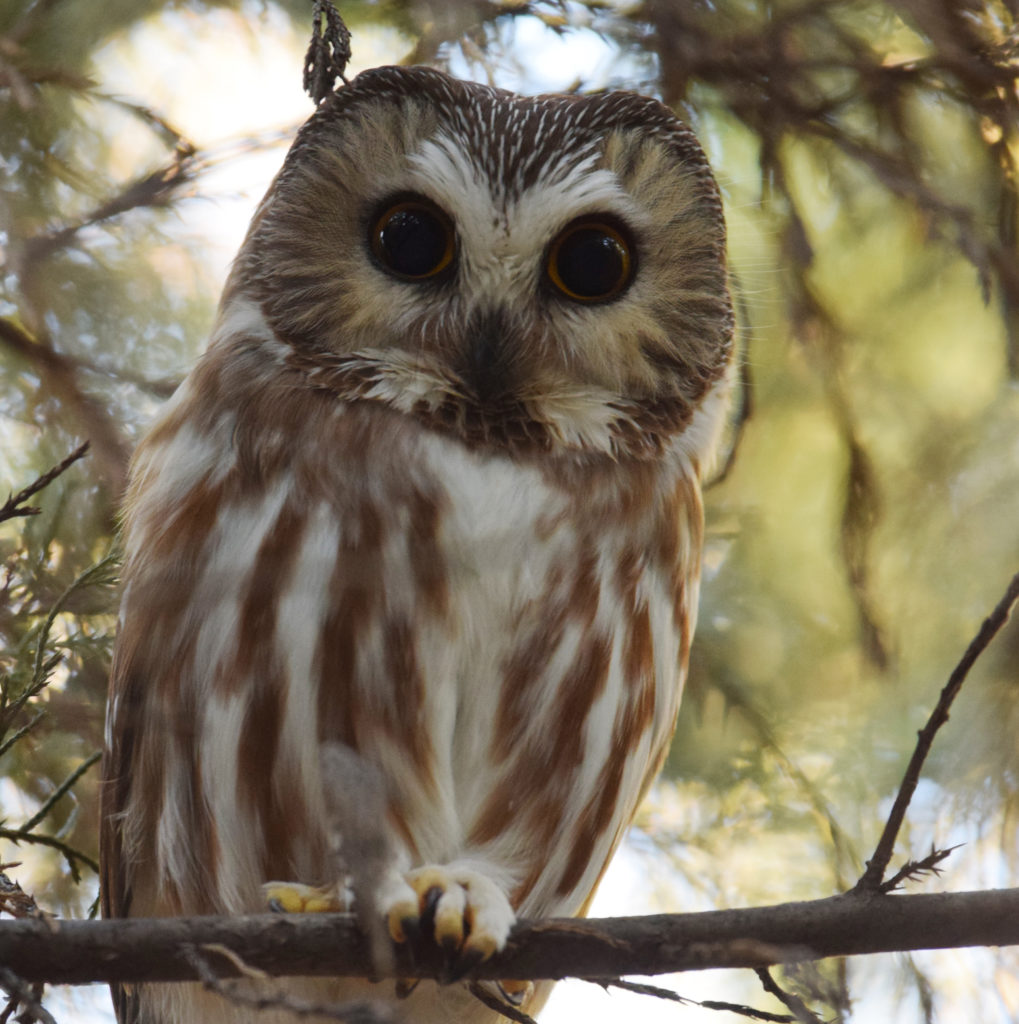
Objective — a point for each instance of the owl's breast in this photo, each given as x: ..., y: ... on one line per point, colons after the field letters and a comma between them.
x: 549, y: 672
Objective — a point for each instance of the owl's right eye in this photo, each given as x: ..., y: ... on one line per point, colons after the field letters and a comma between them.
x: 413, y: 239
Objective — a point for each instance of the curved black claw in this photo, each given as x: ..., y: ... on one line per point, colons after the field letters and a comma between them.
x: 430, y: 904
x: 420, y: 930
x: 404, y: 986
x: 466, y: 962
x: 450, y: 950
x: 411, y: 928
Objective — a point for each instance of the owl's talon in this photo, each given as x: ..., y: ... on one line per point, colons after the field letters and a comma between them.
x: 410, y: 928
x: 450, y: 952
x: 429, y: 906
x: 461, y: 911
x: 450, y: 949
x: 404, y: 986
x: 451, y: 958
x: 465, y: 963
x: 451, y: 914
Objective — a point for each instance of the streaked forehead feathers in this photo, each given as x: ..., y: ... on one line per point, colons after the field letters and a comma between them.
x: 512, y: 140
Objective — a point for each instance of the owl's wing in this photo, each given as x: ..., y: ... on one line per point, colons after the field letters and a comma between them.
x: 115, y: 898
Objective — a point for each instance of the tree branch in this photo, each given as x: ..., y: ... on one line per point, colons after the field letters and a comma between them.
x: 139, y: 949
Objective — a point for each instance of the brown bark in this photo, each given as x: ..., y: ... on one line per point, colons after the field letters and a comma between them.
x: 78, y: 952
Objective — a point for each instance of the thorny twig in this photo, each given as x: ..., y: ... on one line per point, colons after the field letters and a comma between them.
x: 914, y: 868
x: 13, y: 899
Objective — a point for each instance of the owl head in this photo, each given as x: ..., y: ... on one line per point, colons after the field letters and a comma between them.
x: 544, y: 273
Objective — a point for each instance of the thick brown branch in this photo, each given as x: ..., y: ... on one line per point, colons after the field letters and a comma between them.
x: 78, y: 952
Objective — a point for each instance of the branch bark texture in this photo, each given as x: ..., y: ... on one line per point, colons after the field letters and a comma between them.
x: 80, y: 952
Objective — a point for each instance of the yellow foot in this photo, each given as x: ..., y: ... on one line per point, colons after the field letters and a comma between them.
x: 295, y: 898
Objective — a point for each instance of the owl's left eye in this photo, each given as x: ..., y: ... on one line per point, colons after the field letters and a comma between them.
x: 413, y: 239
x: 590, y: 261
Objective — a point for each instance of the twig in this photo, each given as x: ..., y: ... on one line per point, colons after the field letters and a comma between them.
x: 355, y: 1012
x: 14, y: 506
x: 493, y: 1002
x: 63, y: 788
x: 799, y: 1008
x: 913, y: 868
x: 643, y: 989
x: 70, y: 854
x: 23, y: 993
x: 95, y: 574
x: 13, y: 899
x: 870, y: 881
x: 23, y: 731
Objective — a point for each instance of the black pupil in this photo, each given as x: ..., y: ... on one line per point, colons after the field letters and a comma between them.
x: 413, y: 242
x: 590, y: 263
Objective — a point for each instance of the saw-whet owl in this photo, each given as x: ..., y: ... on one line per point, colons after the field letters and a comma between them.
x: 432, y: 495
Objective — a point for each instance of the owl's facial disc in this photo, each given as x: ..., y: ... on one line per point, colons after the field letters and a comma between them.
x: 544, y: 271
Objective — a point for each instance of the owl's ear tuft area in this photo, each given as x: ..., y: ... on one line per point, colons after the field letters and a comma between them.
x: 328, y: 52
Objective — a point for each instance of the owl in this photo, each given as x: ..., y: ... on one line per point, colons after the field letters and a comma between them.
x: 431, y: 497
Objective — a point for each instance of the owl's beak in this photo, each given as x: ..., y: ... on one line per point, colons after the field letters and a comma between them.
x: 488, y: 362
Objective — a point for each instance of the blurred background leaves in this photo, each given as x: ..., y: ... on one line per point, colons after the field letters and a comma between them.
x: 867, y: 520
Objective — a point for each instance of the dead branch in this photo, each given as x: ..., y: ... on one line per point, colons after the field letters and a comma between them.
x: 142, y: 949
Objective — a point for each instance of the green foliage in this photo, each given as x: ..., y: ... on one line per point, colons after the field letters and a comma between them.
x: 54, y: 649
